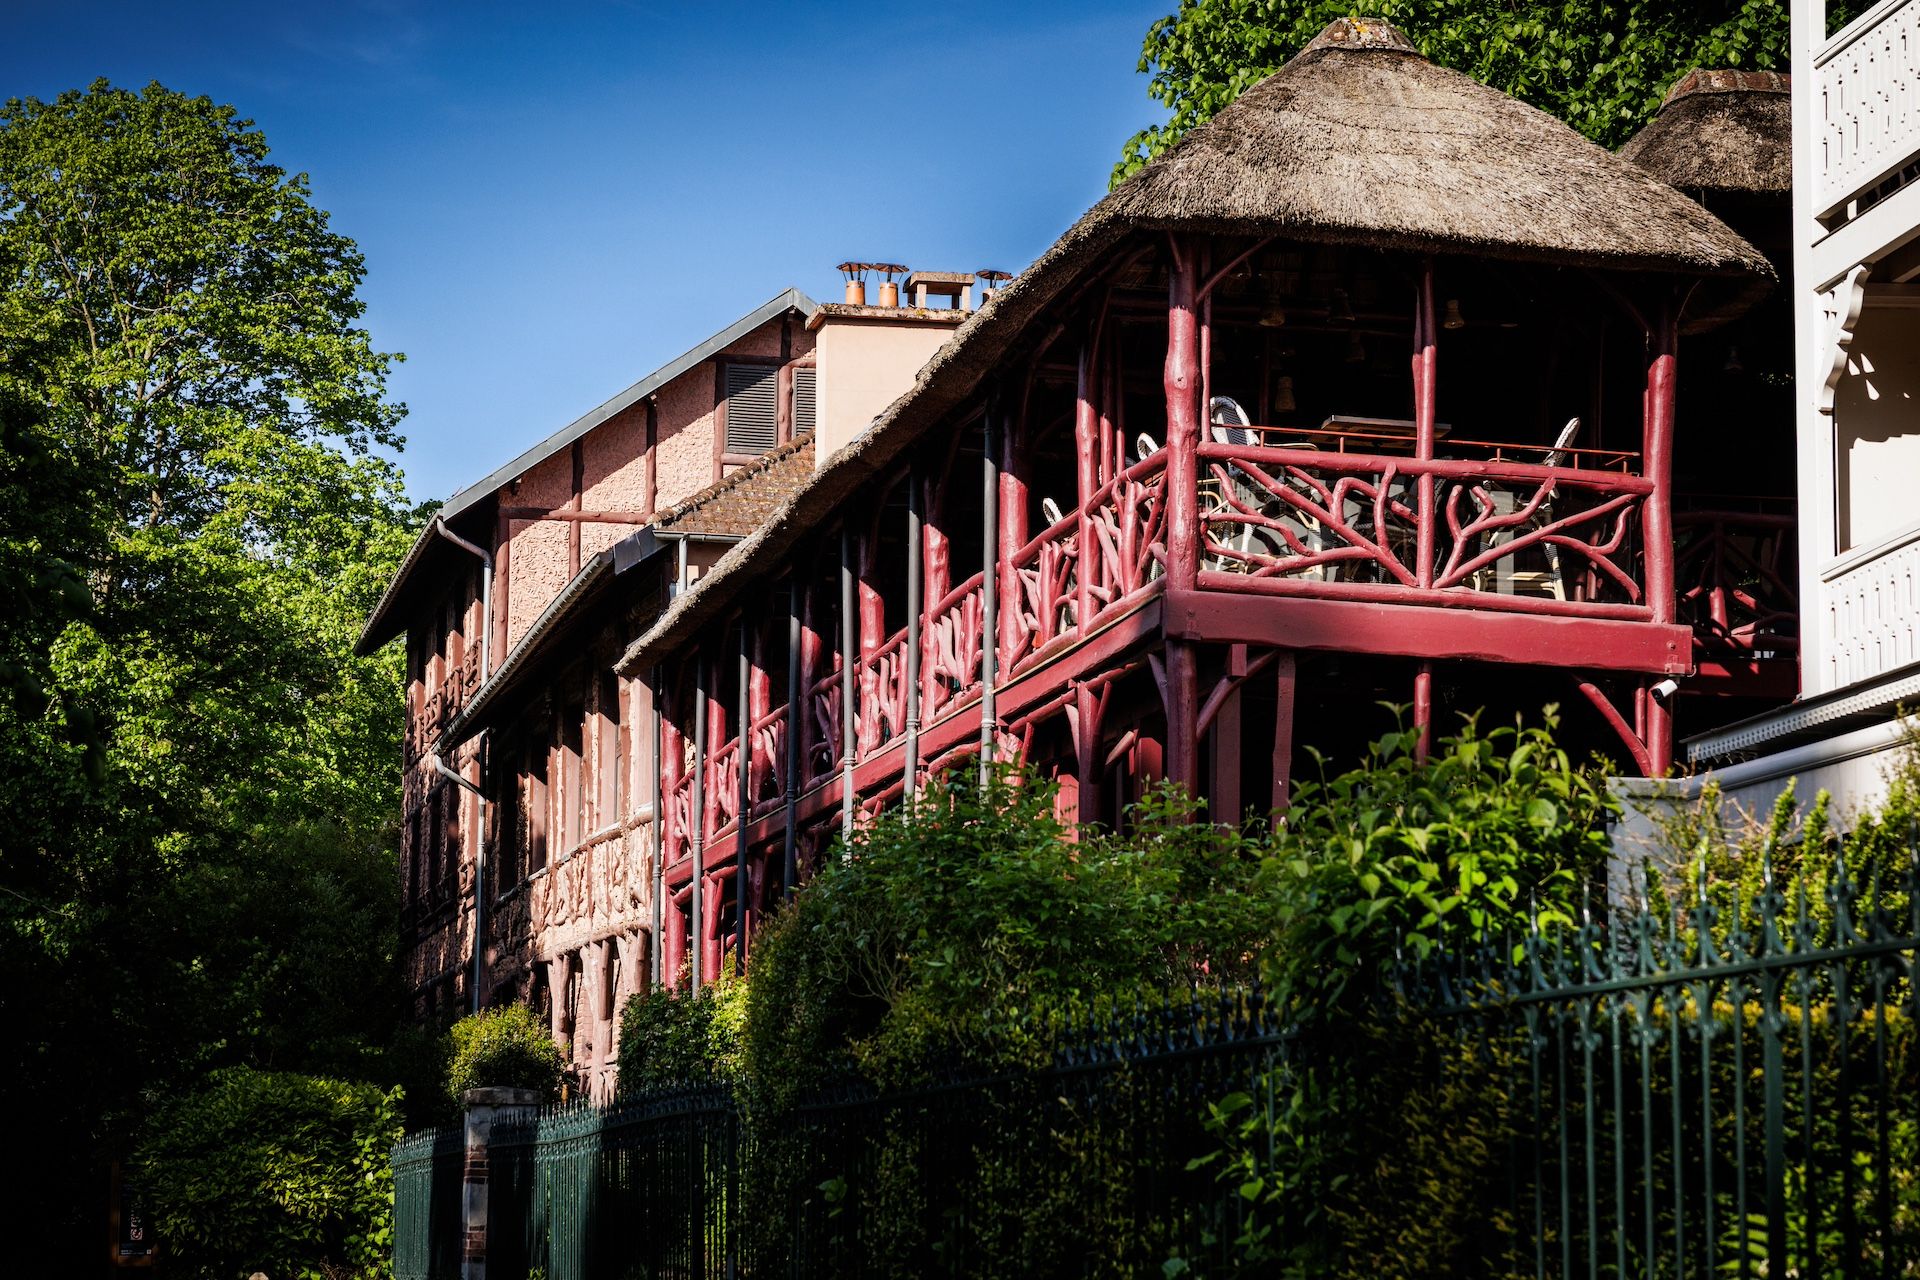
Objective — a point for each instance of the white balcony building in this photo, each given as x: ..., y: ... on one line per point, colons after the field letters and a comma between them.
x: 1855, y: 292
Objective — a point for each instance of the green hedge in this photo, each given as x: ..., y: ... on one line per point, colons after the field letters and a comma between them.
x: 272, y: 1171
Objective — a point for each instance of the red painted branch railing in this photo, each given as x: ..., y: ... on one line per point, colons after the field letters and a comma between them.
x: 1737, y: 581
x: 1513, y: 536
x: 1126, y: 518
x: 950, y: 662
x: 823, y: 704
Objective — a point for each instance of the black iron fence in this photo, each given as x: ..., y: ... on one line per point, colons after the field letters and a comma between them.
x: 1728, y: 1089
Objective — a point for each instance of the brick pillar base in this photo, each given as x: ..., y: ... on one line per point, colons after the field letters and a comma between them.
x: 483, y: 1107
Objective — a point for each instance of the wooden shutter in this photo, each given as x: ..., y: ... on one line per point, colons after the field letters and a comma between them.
x: 803, y: 383
x: 753, y: 407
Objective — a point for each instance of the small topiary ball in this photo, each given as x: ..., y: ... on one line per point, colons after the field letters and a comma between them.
x: 503, y: 1048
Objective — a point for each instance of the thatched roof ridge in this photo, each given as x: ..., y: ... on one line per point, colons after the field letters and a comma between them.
x: 1357, y: 140
x: 1721, y: 131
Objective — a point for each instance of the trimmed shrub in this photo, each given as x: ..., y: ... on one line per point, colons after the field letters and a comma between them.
x: 273, y: 1171
x: 670, y: 1038
x: 503, y: 1048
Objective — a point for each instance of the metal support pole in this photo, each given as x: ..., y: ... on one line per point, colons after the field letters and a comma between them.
x: 915, y: 600
x: 743, y: 733
x: 848, y: 622
x: 789, y: 870
x: 697, y: 838
x: 989, y: 584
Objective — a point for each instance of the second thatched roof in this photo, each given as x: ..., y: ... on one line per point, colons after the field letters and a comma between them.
x: 1721, y: 132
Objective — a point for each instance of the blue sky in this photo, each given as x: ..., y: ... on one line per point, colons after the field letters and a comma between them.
x: 555, y: 199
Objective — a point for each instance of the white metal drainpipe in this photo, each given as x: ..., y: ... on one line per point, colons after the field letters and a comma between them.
x: 440, y: 766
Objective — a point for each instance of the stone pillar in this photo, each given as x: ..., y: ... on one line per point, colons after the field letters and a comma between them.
x: 483, y: 1107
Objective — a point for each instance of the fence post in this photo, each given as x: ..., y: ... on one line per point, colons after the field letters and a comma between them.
x: 483, y: 1107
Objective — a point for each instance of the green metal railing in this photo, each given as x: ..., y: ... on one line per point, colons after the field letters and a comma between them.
x: 1726, y: 1088
x: 429, y: 1227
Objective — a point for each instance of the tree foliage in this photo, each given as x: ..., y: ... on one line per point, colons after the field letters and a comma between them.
x: 197, y: 869
x: 1601, y: 66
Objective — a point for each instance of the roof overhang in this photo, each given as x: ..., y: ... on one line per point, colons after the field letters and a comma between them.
x: 387, y: 619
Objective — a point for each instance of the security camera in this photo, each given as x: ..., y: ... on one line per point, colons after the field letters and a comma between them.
x: 1664, y: 691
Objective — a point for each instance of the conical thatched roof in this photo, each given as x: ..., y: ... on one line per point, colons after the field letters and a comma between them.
x: 1357, y: 140
x: 1721, y: 132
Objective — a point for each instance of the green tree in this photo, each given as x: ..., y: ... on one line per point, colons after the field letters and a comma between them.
x: 1600, y: 65
x: 197, y: 867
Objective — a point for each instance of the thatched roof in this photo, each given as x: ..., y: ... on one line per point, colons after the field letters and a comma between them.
x: 1721, y: 132
x: 1361, y: 139
x: 1358, y: 140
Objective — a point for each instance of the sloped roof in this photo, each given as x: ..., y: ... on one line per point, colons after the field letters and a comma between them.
x: 383, y: 624
x: 1357, y: 140
x: 1721, y: 131
x: 720, y: 512
x: 742, y: 501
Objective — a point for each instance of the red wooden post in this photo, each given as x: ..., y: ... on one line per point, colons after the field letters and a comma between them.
x: 1224, y: 742
x: 872, y: 632
x: 674, y: 956
x: 1424, y: 362
x: 1657, y: 453
x: 1423, y: 710
x: 1284, y: 671
x: 1182, y: 384
x: 1086, y: 450
x: 759, y: 707
x: 813, y: 648
x: 673, y: 761
x: 716, y: 712
x: 1088, y: 758
x: 710, y: 949
x: 1013, y: 528
x: 1657, y: 522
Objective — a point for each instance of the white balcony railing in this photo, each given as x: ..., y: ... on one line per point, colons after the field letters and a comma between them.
x: 1868, y: 79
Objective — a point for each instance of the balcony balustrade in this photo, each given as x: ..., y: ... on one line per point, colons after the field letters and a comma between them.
x: 1868, y: 85
x: 1497, y: 527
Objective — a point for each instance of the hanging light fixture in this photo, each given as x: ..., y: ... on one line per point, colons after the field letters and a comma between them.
x: 1733, y: 364
x: 1274, y: 317
x: 1453, y: 320
x: 1342, y: 309
x: 1283, y: 394
x: 1356, y: 349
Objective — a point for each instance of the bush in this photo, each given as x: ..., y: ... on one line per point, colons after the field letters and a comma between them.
x: 1401, y: 857
x: 272, y: 1171
x: 669, y: 1038
x: 503, y: 1048
x: 964, y: 924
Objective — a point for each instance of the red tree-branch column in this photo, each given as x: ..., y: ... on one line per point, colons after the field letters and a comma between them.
x: 1657, y: 520
x: 1182, y: 381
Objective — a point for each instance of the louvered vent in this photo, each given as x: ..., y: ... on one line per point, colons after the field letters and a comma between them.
x: 802, y: 400
x: 753, y: 407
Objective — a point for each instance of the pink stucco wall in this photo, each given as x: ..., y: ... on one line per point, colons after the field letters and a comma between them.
x: 614, y: 462
x: 536, y: 570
